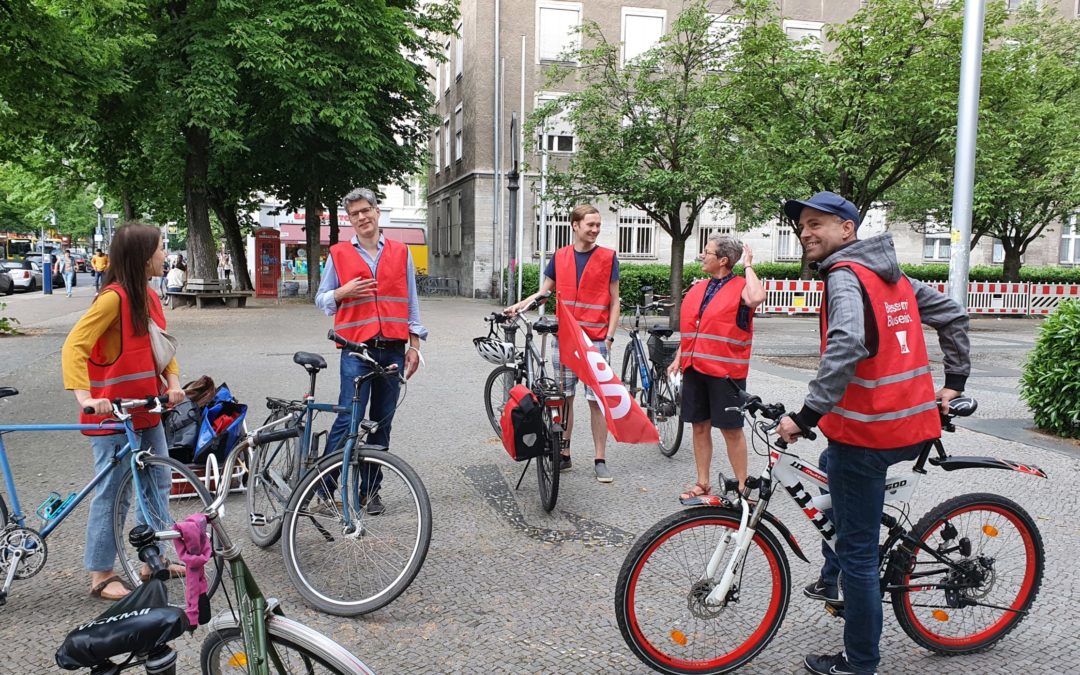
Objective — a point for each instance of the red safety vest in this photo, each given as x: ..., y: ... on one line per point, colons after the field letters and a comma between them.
x: 890, y: 401
x: 712, y: 343
x: 592, y: 310
x: 384, y: 315
x: 133, y: 374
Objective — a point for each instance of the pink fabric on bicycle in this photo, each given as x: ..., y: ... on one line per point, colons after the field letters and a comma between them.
x: 194, y: 549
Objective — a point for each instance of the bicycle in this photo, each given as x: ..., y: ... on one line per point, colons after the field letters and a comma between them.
x: 529, y: 367
x: 354, y: 540
x: 647, y: 380
x: 706, y: 589
x: 254, y: 636
x: 23, y: 549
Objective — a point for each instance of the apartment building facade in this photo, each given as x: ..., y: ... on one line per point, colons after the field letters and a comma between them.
x: 468, y: 214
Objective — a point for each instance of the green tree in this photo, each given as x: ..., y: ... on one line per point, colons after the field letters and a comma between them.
x: 656, y: 134
x: 1027, y: 151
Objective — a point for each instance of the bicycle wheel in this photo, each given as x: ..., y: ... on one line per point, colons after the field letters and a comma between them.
x: 497, y: 393
x: 547, y: 465
x: 665, y: 413
x: 299, y: 649
x: 352, y: 574
x: 187, y: 496
x: 660, y: 595
x: 275, y: 471
x: 996, y: 556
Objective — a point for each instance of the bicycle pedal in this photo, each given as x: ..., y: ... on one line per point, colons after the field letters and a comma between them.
x: 836, y: 610
x: 258, y: 519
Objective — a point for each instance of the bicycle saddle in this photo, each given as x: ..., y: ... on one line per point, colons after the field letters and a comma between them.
x: 139, y: 624
x: 545, y: 325
x: 660, y: 332
x: 309, y: 360
x: 8, y: 391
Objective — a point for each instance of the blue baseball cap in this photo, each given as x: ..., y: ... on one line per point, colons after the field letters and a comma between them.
x: 829, y: 202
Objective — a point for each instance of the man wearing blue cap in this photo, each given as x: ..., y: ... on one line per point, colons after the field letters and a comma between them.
x: 873, y: 399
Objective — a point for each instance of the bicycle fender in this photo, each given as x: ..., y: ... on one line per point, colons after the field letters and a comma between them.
x: 971, y: 462
x: 340, y: 658
x: 786, y: 534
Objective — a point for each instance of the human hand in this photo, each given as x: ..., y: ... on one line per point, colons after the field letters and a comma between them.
x: 748, y: 256
x: 412, y: 361
x: 944, y: 395
x: 101, y: 406
x: 788, y: 430
x: 358, y: 288
x: 176, y: 396
x: 673, y: 369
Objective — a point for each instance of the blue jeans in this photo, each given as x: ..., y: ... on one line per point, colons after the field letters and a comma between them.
x: 381, y: 392
x: 857, y: 483
x: 97, y: 280
x: 69, y: 278
x: 100, y: 553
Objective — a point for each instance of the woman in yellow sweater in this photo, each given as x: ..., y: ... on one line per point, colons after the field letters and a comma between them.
x: 108, y: 355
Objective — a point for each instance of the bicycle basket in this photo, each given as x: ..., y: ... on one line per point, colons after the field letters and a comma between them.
x: 661, y: 351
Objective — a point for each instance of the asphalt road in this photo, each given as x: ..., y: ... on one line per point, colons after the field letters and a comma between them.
x: 507, y: 588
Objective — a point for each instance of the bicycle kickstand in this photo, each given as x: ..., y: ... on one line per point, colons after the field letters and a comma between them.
x: 523, y: 472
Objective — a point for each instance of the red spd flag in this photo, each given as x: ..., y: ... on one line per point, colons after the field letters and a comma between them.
x: 626, y: 420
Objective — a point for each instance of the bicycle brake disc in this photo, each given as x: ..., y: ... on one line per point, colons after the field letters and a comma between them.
x: 25, y: 548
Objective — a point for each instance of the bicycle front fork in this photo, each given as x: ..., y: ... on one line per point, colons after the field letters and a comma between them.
x: 741, y: 539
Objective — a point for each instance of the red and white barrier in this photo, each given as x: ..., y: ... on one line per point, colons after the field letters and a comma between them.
x: 1044, y: 298
x: 997, y: 298
x: 783, y: 296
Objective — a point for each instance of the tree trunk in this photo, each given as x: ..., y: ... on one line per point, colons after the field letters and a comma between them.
x: 312, y: 228
x: 127, y: 207
x: 201, y: 250
x: 1010, y: 269
x: 334, y: 229
x: 678, y: 252
x: 226, y: 213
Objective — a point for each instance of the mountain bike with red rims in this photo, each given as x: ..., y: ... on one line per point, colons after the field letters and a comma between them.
x: 706, y: 589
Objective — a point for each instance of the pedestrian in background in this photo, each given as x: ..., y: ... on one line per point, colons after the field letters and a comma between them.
x: 107, y: 355
x: 67, y: 269
x: 99, y: 263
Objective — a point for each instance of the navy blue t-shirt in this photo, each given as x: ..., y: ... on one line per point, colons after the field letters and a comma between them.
x: 579, y: 260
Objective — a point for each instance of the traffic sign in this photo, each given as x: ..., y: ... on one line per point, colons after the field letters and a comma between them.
x: 99, y: 203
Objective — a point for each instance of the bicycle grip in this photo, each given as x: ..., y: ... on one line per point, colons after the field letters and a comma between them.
x: 276, y: 435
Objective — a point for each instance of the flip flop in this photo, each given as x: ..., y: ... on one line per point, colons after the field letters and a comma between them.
x: 98, y: 591
x: 176, y: 571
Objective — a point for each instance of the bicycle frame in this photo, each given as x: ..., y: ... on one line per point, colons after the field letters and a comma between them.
x: 639, y: 350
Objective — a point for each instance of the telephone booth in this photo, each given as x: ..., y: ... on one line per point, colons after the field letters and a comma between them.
x: 267, y: 262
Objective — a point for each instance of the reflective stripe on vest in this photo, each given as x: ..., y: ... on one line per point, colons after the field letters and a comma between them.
x: 133, y: 373
x: 595, y: 287
x: 713, y: 344
x: 385, y: 315
x: 889, y: 403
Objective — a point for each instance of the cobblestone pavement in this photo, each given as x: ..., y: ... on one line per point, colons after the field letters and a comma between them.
x: 507, y: 588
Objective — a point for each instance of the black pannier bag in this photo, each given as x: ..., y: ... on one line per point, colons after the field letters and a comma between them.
x: 522, y: 424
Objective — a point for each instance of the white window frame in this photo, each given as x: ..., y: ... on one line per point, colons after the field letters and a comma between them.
x: 997, y: 253
x: 636, y: 234
x: 455, y: 224
x: 559, y: 232
x: 438, y: 80
x: 436, y: 229
x: 937, y: 246
x: 438, y: 150
x: 1069, y: 252
x: 459, y: 51
x: 1014, y: 5
x: 788, y: 246
x: 806, y: 26
x: 641, y: 12
x: 709, y: 223
x: 459, y: 123
x: 555, y: 128
x: 574, y: 42
x: 446, y: 140
x: 444, y: 230
x: 446, y: 67
x: 410, y: 194
x: 727, y: 28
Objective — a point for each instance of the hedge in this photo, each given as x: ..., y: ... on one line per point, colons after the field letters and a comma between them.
x: 634, y: 276
x: 1049, y: 383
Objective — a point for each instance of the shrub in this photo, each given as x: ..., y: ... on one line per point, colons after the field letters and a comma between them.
x: 1049, y: 383
x: 7, y: 323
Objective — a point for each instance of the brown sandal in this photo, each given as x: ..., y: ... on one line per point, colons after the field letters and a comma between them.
x: 696, y: 490
x: 98, y: 591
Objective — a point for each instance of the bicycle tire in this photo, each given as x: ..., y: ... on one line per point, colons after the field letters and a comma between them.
x: 223, y: 650
x: 275, y: 471
x: 189, y: 496
x: 312, y: 541
x: 659, y: 600
x: 986, y: 520
x: 497, y: 393
x: 666, y: 414
x: 3, y: 512
x: 547, y: 465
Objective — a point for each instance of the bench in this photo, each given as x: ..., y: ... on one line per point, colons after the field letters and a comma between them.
x: 234, y: 299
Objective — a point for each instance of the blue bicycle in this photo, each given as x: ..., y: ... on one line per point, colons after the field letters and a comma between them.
x: 23, y: 551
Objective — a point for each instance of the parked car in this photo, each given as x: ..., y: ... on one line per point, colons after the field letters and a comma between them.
x: 57, y: 277
x: 82, y: 264
x: 25, y: 274
x: 7, y: 284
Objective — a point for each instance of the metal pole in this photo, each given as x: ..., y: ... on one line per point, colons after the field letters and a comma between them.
x: 967, y: 122
x: 520, y: 141
x: 543, y: 211
x: 512, y: 188
x: 46, y: 259
x: 496, y: 183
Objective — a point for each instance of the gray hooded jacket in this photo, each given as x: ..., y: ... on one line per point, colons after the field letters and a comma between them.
x: 847, y: 341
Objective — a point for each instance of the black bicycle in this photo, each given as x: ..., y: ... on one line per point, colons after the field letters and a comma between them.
x: 646, y: 377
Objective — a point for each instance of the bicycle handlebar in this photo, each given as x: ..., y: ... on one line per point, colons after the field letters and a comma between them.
x: 361, y: 351
x: 155, y: 403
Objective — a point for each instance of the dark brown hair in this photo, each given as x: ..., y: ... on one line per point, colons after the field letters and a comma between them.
x: 133, y: 245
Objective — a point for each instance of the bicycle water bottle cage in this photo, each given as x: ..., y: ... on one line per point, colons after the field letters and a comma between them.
x: 142, y: 623
x: 309, y: 361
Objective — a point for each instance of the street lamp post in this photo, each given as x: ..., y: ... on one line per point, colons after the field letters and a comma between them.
x: 512, y: 186
x: 46, y: 259
x: 99, y: 204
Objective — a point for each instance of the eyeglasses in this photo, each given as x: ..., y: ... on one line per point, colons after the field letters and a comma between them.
x: 706, y: 254
x: 366, y: 211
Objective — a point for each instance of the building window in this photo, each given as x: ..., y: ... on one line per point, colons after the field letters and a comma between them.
x: 998, y: 254
x: 557, y: 134
x: 459, y: 120
x: 787, y: 243
x: 438, y: 150
x: 446, y: 141
x: 712, y: 221
x: 724, y: 35
x: 435, y: 229
x: 455, y: 224
x: 411, y: 194
x: 558, y: 233
x: 557, y: 26
x: 807, y: 34
x: 936, y: 246
x: 1014, y: 5
x: 459, y: 52
x: 641, y: 30
x: 444, y: 227
x: 438, y: 81
x: 446, y: 67
x: 1070, y: 242
x: 637, y: 234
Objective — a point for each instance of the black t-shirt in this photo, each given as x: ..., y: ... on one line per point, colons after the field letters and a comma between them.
x: 580, y: 259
